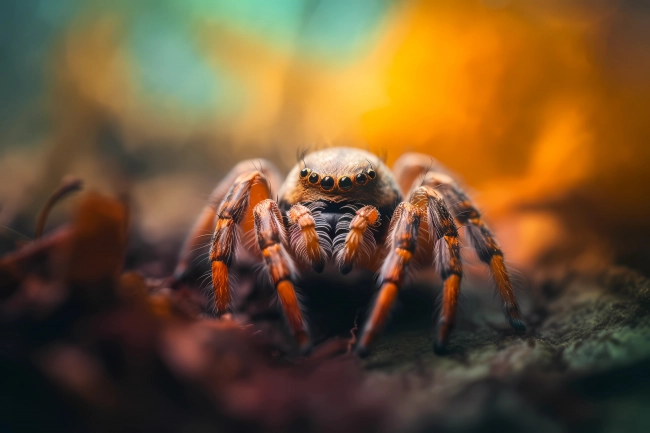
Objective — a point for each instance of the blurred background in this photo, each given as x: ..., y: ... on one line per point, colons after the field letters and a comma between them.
x: 541, y: 106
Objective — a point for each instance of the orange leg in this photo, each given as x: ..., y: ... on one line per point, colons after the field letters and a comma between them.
x: 271, y: 239
x: 482, y: 240
x: 303, y: 234
x: 424, y: 206
x: 205, y: 223
x: 420, y: 169
x: 444, y: 234
x: 359, y: 243
x: 224, y: 243
x: 402, y: 242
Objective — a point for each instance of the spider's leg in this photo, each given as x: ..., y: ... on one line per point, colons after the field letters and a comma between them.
x: 444, y: 236
x: 402, y: 243
x: 411, y: 166
x: 225, y: 239
x: 271, y: 238
x: 425, y: 205
x: 204, y: 224
x: 482, y: 240
x: 304, y: 239
x: 359, y: 242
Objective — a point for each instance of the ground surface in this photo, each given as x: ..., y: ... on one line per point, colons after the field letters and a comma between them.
x: 582, y: 364
x: 85, y: 346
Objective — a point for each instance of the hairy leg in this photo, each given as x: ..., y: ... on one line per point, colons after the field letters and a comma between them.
x: 402, y: 241
x: 271, y: 239
x: 204, y: 224
x: 414, y: 169
x: 230, y: 215
x: 482, y: 240
x: 444, y: 236
x: 424, y: 206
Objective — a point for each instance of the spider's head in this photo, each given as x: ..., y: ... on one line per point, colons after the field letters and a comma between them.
x: 339, y: 175
x: 337, y: 179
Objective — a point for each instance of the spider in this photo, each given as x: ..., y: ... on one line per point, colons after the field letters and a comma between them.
x: 334, y: 208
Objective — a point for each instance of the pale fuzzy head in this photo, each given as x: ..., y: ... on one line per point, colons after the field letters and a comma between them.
x: 338, y: 175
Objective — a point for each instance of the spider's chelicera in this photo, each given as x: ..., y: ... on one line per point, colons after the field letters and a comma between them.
x: 337, y: 207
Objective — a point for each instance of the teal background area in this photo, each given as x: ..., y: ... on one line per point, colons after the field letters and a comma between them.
x: 165, y: 40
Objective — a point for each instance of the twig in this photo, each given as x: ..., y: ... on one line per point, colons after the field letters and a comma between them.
x: 68, y: 186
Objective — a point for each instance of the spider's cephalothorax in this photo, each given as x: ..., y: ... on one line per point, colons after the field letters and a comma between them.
x: 337, y: 205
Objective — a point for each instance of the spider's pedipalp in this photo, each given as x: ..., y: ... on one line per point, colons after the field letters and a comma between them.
x: 304, y: 238
x: 357, y: 242
x: 322, y: 227
x: 271, y: 240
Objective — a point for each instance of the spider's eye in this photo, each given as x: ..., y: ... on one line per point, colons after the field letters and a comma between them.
x: 304, y: 173
x: 372, y: 174
x: 345, y: 183
x: 361, y: 178
x: 327, y: 183
x: 313, y: 178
